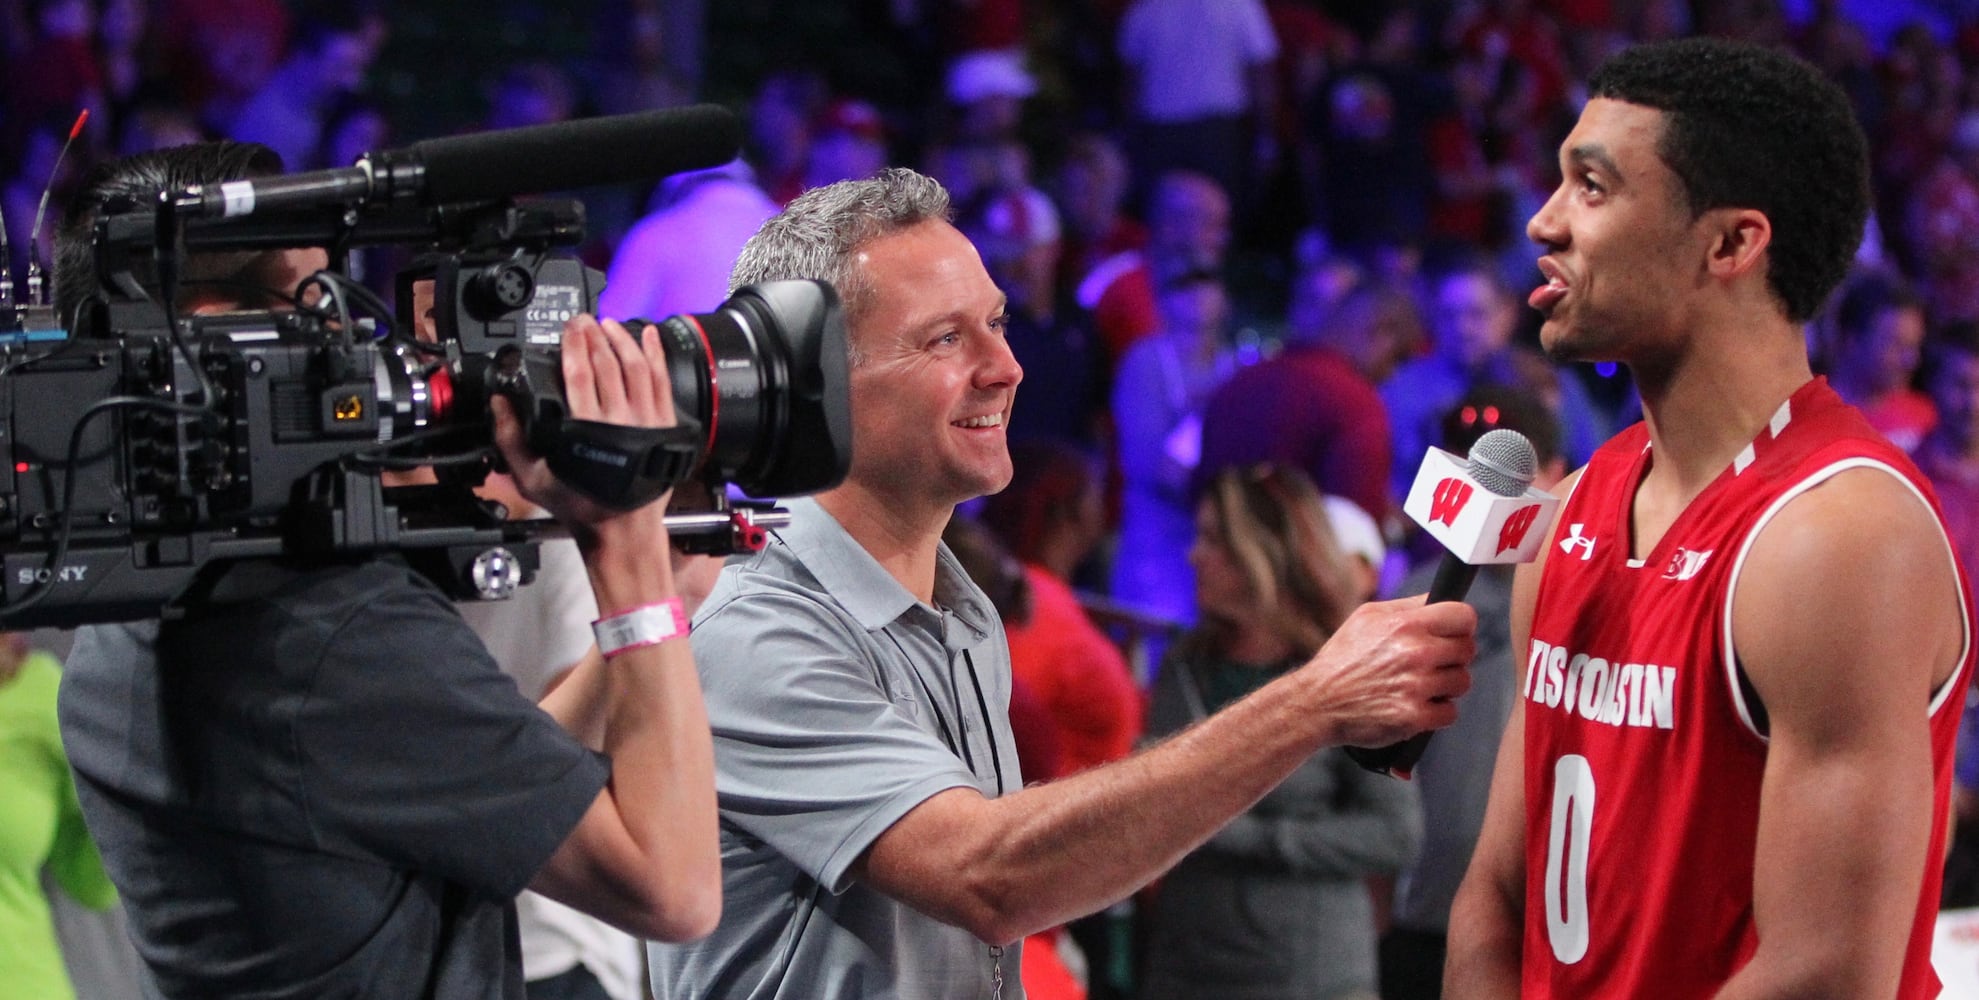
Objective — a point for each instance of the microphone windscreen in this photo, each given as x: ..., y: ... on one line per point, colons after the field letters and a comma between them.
x: 611, y: 150
x: 1504, y: 462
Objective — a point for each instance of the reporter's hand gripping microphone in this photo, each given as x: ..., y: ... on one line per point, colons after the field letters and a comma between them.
x: 1484, y: 511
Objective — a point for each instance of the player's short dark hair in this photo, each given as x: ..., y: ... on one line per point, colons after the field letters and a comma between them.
x: 1752, y: 127
x: 133, y: 182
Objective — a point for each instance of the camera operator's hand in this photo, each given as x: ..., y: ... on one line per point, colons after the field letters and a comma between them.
x: 608, y: 377
x: 646, y: 855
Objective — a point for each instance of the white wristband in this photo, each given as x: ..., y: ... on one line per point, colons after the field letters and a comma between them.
x: 648, y: 625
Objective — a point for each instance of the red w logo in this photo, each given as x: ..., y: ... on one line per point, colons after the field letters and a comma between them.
x: 1449, y: 499
x: 1516, y: 526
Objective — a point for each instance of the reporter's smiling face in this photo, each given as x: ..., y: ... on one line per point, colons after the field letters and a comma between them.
x: 934, y: 383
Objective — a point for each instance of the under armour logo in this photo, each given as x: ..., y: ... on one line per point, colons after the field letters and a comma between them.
x: 1685, y: 564
x: 1575, y: 540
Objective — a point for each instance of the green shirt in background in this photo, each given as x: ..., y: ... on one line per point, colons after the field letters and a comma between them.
x: 40, y: 826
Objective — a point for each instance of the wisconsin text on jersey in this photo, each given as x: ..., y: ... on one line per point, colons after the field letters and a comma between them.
x: 1619, y: 694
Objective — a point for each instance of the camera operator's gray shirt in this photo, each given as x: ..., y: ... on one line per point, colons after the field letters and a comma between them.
x: 839, y: 702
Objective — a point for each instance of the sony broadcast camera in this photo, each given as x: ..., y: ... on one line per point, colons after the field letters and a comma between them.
x: 146, y: 450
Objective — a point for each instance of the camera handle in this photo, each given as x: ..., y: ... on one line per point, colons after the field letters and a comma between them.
x: 618, y: 466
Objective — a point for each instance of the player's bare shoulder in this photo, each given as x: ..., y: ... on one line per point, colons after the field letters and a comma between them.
x: 1858, y: 562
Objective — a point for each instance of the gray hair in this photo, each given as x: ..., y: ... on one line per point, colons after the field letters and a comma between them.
x: 816, y: 235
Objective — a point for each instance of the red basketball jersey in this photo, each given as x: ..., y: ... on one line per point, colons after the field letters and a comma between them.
x: 1642, y: 758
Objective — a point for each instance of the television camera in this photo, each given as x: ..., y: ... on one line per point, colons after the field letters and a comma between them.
x: 142, y: 451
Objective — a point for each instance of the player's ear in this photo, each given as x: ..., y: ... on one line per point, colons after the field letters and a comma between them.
x: 1739, y: 239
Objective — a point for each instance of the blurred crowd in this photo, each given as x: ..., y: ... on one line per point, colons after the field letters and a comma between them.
x: 1260, y: 255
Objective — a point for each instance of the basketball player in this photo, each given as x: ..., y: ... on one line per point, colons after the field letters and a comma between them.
x: 1727, y: 771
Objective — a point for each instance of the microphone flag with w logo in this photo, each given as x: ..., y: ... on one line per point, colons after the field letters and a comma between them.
x: 1475, y: 524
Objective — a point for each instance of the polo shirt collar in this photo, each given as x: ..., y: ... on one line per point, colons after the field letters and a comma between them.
x: 850, y: 574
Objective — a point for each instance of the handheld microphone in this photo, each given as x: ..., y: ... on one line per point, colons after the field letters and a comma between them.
x: 492, y: 165
x: 1484, y: 511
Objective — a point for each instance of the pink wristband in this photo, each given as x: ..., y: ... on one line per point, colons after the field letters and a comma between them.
x: 647, y: 625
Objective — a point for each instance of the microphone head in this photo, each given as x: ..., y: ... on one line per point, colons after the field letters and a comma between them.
x: 1483, y: 508
x: 1504, y: 462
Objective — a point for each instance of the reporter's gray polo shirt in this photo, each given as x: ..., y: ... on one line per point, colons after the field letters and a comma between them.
x: 839, y: 702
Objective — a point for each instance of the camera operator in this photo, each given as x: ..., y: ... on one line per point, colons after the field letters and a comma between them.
x: 878, y: 840
x: 318, y: 783
x: 211, y: 282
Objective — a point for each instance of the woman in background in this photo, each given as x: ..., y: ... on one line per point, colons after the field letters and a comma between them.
x: 1276, y: 905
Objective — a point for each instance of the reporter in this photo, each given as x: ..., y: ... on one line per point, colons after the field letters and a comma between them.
x: 319, y: 783
x: 879, y: 840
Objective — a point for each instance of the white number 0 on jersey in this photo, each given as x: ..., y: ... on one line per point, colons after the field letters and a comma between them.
x: 1566, y: 858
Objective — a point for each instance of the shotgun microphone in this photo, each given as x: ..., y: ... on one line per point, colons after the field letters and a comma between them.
x: 493, y: 165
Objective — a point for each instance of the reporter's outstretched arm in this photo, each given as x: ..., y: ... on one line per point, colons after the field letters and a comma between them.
x: 645, y: 856
x: 1002, y: 868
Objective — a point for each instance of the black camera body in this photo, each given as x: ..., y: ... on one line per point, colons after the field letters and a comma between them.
x: 153, y: 497
x: 142, y: 452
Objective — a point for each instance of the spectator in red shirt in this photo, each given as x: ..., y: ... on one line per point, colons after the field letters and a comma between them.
x: 1512, y: 28
x: 1311, y: 407
x: 1050, y: 517
x: 1091, y: 188
x: 1189, y: 230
